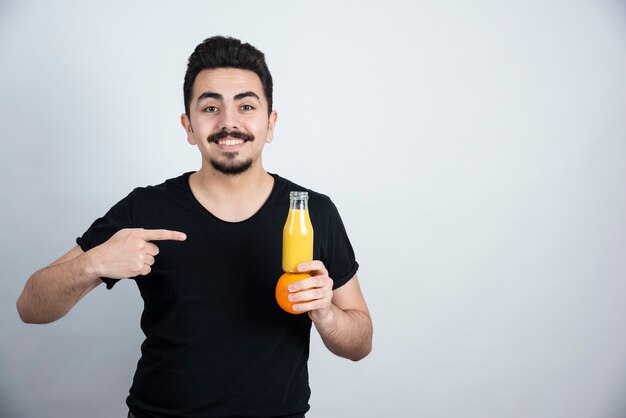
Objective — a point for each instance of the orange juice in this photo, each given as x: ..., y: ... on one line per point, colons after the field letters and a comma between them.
x: 297, y: 233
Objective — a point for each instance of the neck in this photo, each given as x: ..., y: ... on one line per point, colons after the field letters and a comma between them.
x: 231, y: 198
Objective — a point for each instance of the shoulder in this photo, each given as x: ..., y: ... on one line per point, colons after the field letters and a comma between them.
x: 318, y: 202
x: 286, y: 185
x: 170, y: 187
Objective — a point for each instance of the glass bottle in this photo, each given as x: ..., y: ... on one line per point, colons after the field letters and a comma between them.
x: 297, y: 233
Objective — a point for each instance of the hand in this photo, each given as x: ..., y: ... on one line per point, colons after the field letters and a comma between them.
x: 314, y: 293
x: 128, y: 253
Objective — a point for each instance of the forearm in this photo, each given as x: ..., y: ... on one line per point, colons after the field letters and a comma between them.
x: 52, y: 291
x: 346, y: 333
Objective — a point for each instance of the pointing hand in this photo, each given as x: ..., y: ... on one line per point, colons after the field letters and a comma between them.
x: 129, y: 252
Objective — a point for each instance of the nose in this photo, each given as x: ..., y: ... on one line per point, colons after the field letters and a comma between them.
x: 229, y: 120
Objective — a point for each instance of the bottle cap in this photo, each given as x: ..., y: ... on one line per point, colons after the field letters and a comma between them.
x: 298, y: 195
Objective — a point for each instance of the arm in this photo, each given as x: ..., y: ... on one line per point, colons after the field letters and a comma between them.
x: 340, y: 316
x: 51, y: 292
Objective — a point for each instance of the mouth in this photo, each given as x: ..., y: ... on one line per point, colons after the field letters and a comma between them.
x: 229, y: 142
x: 225, y: 138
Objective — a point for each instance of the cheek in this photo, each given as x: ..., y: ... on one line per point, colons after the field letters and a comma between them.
x: 202, y: 128
x: 259, y: 129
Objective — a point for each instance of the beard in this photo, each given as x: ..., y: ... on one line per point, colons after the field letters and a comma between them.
x: 231, y: 167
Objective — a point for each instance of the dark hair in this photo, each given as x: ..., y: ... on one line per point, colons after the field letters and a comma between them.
x: 226, y: 52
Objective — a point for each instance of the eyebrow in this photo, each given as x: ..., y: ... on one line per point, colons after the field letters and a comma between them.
x: 217, y: 96
x: 210, y: 95
x: 246, y: 94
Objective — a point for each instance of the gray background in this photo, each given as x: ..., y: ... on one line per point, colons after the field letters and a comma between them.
x: 476, y: 151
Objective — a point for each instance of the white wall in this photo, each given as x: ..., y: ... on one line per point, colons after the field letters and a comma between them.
x: 476, y: 151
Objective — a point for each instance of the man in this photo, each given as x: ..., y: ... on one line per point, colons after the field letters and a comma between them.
x: 204, y: 249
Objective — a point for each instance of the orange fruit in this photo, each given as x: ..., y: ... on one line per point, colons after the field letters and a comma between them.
x: 282, y: 294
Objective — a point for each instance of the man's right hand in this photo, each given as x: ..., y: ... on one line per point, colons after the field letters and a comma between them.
x: 129, y: 252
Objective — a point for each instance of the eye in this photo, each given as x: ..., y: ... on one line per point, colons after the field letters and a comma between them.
x: 210, y: 109
x: 247, y: 108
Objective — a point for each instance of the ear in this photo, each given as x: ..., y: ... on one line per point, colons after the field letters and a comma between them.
x: 184, y: 120
x: 271, y: 124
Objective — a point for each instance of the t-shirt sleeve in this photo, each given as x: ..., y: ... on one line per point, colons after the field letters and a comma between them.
x: 118, y: 217
x: 338, y: 255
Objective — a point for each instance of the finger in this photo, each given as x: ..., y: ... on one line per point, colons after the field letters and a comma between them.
x: 308, y: 295
x: 310, y: 283
x: 306, y: 307
x: 162, y: 234
x: 313, y: 266
x: 151, y: 249
x: 149, y: 260
x: 145, y: 270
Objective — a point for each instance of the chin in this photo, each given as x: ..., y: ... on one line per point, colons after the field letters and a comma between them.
x: 231, y: 168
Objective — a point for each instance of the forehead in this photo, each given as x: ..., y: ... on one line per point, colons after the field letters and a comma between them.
x: 227, y: 82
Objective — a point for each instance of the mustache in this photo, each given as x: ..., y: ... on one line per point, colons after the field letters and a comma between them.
x: 233, y: 134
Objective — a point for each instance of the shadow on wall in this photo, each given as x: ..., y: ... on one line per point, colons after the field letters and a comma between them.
x: 8, y: 408
x: 616, y: 407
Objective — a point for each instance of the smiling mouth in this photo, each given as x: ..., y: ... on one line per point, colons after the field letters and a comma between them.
x: 229, y: 141
x: 230, y: 138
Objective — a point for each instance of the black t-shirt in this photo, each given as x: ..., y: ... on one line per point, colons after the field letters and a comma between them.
x: 217, y: 343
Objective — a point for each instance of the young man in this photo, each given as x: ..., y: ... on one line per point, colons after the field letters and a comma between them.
x: 205, y: 251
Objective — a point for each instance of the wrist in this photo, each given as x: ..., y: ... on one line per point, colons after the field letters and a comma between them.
x: 326, y: 322
x: 89, y: 265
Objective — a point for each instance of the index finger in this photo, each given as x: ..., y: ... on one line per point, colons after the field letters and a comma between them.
x: 162, y: 234
x: 311, y: 266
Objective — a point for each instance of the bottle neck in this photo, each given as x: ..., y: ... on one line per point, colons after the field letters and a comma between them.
x: 299, y: 204
x: 299, y: 200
